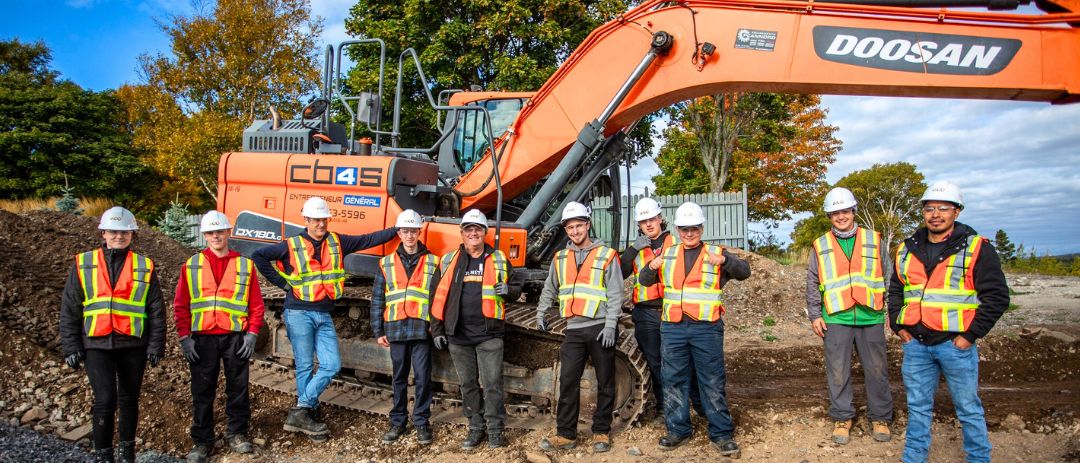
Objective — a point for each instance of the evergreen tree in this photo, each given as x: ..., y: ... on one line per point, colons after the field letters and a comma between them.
x: 174, y: 224
x: 1005, y: 248
x: 68, y: 202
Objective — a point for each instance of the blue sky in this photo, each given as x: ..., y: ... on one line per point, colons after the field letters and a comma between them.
x: 1017, y: 163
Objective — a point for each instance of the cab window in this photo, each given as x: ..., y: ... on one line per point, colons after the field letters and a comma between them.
x: 470, y: 139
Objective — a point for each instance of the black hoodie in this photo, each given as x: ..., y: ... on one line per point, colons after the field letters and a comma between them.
x: 72, y: 338
x: 990, y: 285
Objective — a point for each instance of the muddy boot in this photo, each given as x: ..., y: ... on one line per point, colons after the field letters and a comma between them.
x: 299, y: 420
x: 557, y: 443
x: 200, y: 453
x: 239, y: 443
x: 881, y: 431
x: 841, y: 433
x: 424, y: 435
x: 728, y: 448
x: 127, y: 452
x: 103, y: 455
x: 393, y: 434
x: 601, y: 443
x: 671, y: 441
x: 473, y: 440
x: 496, y: 439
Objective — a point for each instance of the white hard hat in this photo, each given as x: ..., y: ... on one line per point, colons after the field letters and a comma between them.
x: 408, y: 219
x: 316, y: 208
x: 944, y: 191
x: 214, y: 221
x: 646, y: 209
x: 838, y: 199
x: 118, y: 219
x: 474, y: 216
x: 576, y: 210
x: 689, y: 215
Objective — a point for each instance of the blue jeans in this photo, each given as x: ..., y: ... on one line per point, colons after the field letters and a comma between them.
x: 922, y: 368
x: 699, y: 345
x: 312, y: 335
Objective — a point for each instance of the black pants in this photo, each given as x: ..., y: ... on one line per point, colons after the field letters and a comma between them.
x: 116, y: 378
x: 215, y: 351
x: 480, y: 371
x: 416, y: 356
x: 579, y: 345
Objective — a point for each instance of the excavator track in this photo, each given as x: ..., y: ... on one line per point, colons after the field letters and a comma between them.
x: 530, y: 367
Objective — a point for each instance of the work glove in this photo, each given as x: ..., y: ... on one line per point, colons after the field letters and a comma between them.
x: 642, y: 242
x: 440, y: 342
x: 248, y: 348
x: 501, y: 289
x: 541, y: 323
x: 188, y: 346
x: 153, y: 358
x: 607, y: 337
x: 74, y: 360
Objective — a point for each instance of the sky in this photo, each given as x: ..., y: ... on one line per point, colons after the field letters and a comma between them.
x: 1018, y: 164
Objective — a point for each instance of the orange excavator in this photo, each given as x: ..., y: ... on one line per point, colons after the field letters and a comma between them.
x: 520, y: 156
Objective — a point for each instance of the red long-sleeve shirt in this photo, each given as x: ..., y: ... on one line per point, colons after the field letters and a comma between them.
x: 182, y: 301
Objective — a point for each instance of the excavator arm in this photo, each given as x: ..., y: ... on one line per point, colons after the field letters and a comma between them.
x: 719, y: 46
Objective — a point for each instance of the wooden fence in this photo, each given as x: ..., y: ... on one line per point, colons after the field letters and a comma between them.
x: 725, y: 217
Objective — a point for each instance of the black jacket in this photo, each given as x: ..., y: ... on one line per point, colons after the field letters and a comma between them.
x: 989, y: 279
x: 72, y: 338
x: 408, y: 329
x: 446, y: 326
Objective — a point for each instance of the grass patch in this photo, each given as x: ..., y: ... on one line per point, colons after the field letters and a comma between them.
x: 767, y: 336
x: 1012, y: 307
x: 768, y: 321
x: 90, y: 206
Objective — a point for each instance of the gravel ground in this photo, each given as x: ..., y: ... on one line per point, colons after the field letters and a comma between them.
x: 21, y: 445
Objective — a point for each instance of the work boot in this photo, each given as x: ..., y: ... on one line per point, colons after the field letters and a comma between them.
x: 316, y: 416
x: 557, y: 443
x: 239, y: 443
x: 727, y: 447
x: 473, y: 440
x: 841, y: 433
x: 423, y: 435
x: 496, y: 440
x: 393, y: 434
x: 299, y: 420
x: 601, y: 443
x: 127, y: 452
x: 200, y: 453
x: 881, y: 431
x: 103, y: 455
x: 671, y: 441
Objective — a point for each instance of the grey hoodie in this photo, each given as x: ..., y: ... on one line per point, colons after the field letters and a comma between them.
x: 613, y: 281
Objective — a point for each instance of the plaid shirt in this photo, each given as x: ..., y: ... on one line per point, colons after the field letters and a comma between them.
x: 407, y: 329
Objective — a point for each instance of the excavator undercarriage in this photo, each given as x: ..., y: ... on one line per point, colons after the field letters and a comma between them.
x: 530, y: 367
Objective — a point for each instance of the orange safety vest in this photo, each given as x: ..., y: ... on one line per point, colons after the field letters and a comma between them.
x: 846, y: 282
x: 108, y: 309
x: 698, y: 294
x: 582, y: 289
x: 946, y: 300
x: 313, y: 280
x: 496, y: 270
x: 218, y: 305
x: 641, y: 260
x: 407, y: 296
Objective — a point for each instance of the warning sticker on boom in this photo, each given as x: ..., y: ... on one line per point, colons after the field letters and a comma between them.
x: 754, y: 39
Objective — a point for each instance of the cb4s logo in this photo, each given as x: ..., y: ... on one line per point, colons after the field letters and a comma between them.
x: 322, y: 174
x: 921, y: 52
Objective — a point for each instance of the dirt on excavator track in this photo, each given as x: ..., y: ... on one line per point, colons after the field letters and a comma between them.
x: 1030, y: 378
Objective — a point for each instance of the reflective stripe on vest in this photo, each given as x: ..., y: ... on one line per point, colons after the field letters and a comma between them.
x: 408, y: 296
x: 496, y: 270
x: 313, y: 280
x: 582, y: 290
x: 120, y: 309
x: 946, y: 300
x: 845, y: 282
x: 641, y: 260
x: 221, y: 305
x: 698, y: 294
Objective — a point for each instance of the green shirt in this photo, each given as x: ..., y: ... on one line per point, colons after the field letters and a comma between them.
x: 860, y: 314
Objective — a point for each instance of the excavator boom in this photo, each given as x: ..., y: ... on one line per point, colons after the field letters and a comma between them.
x: 782, y: 46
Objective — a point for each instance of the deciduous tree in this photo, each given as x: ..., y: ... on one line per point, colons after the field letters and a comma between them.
x: 778, y: 145
x: 888, y: 197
